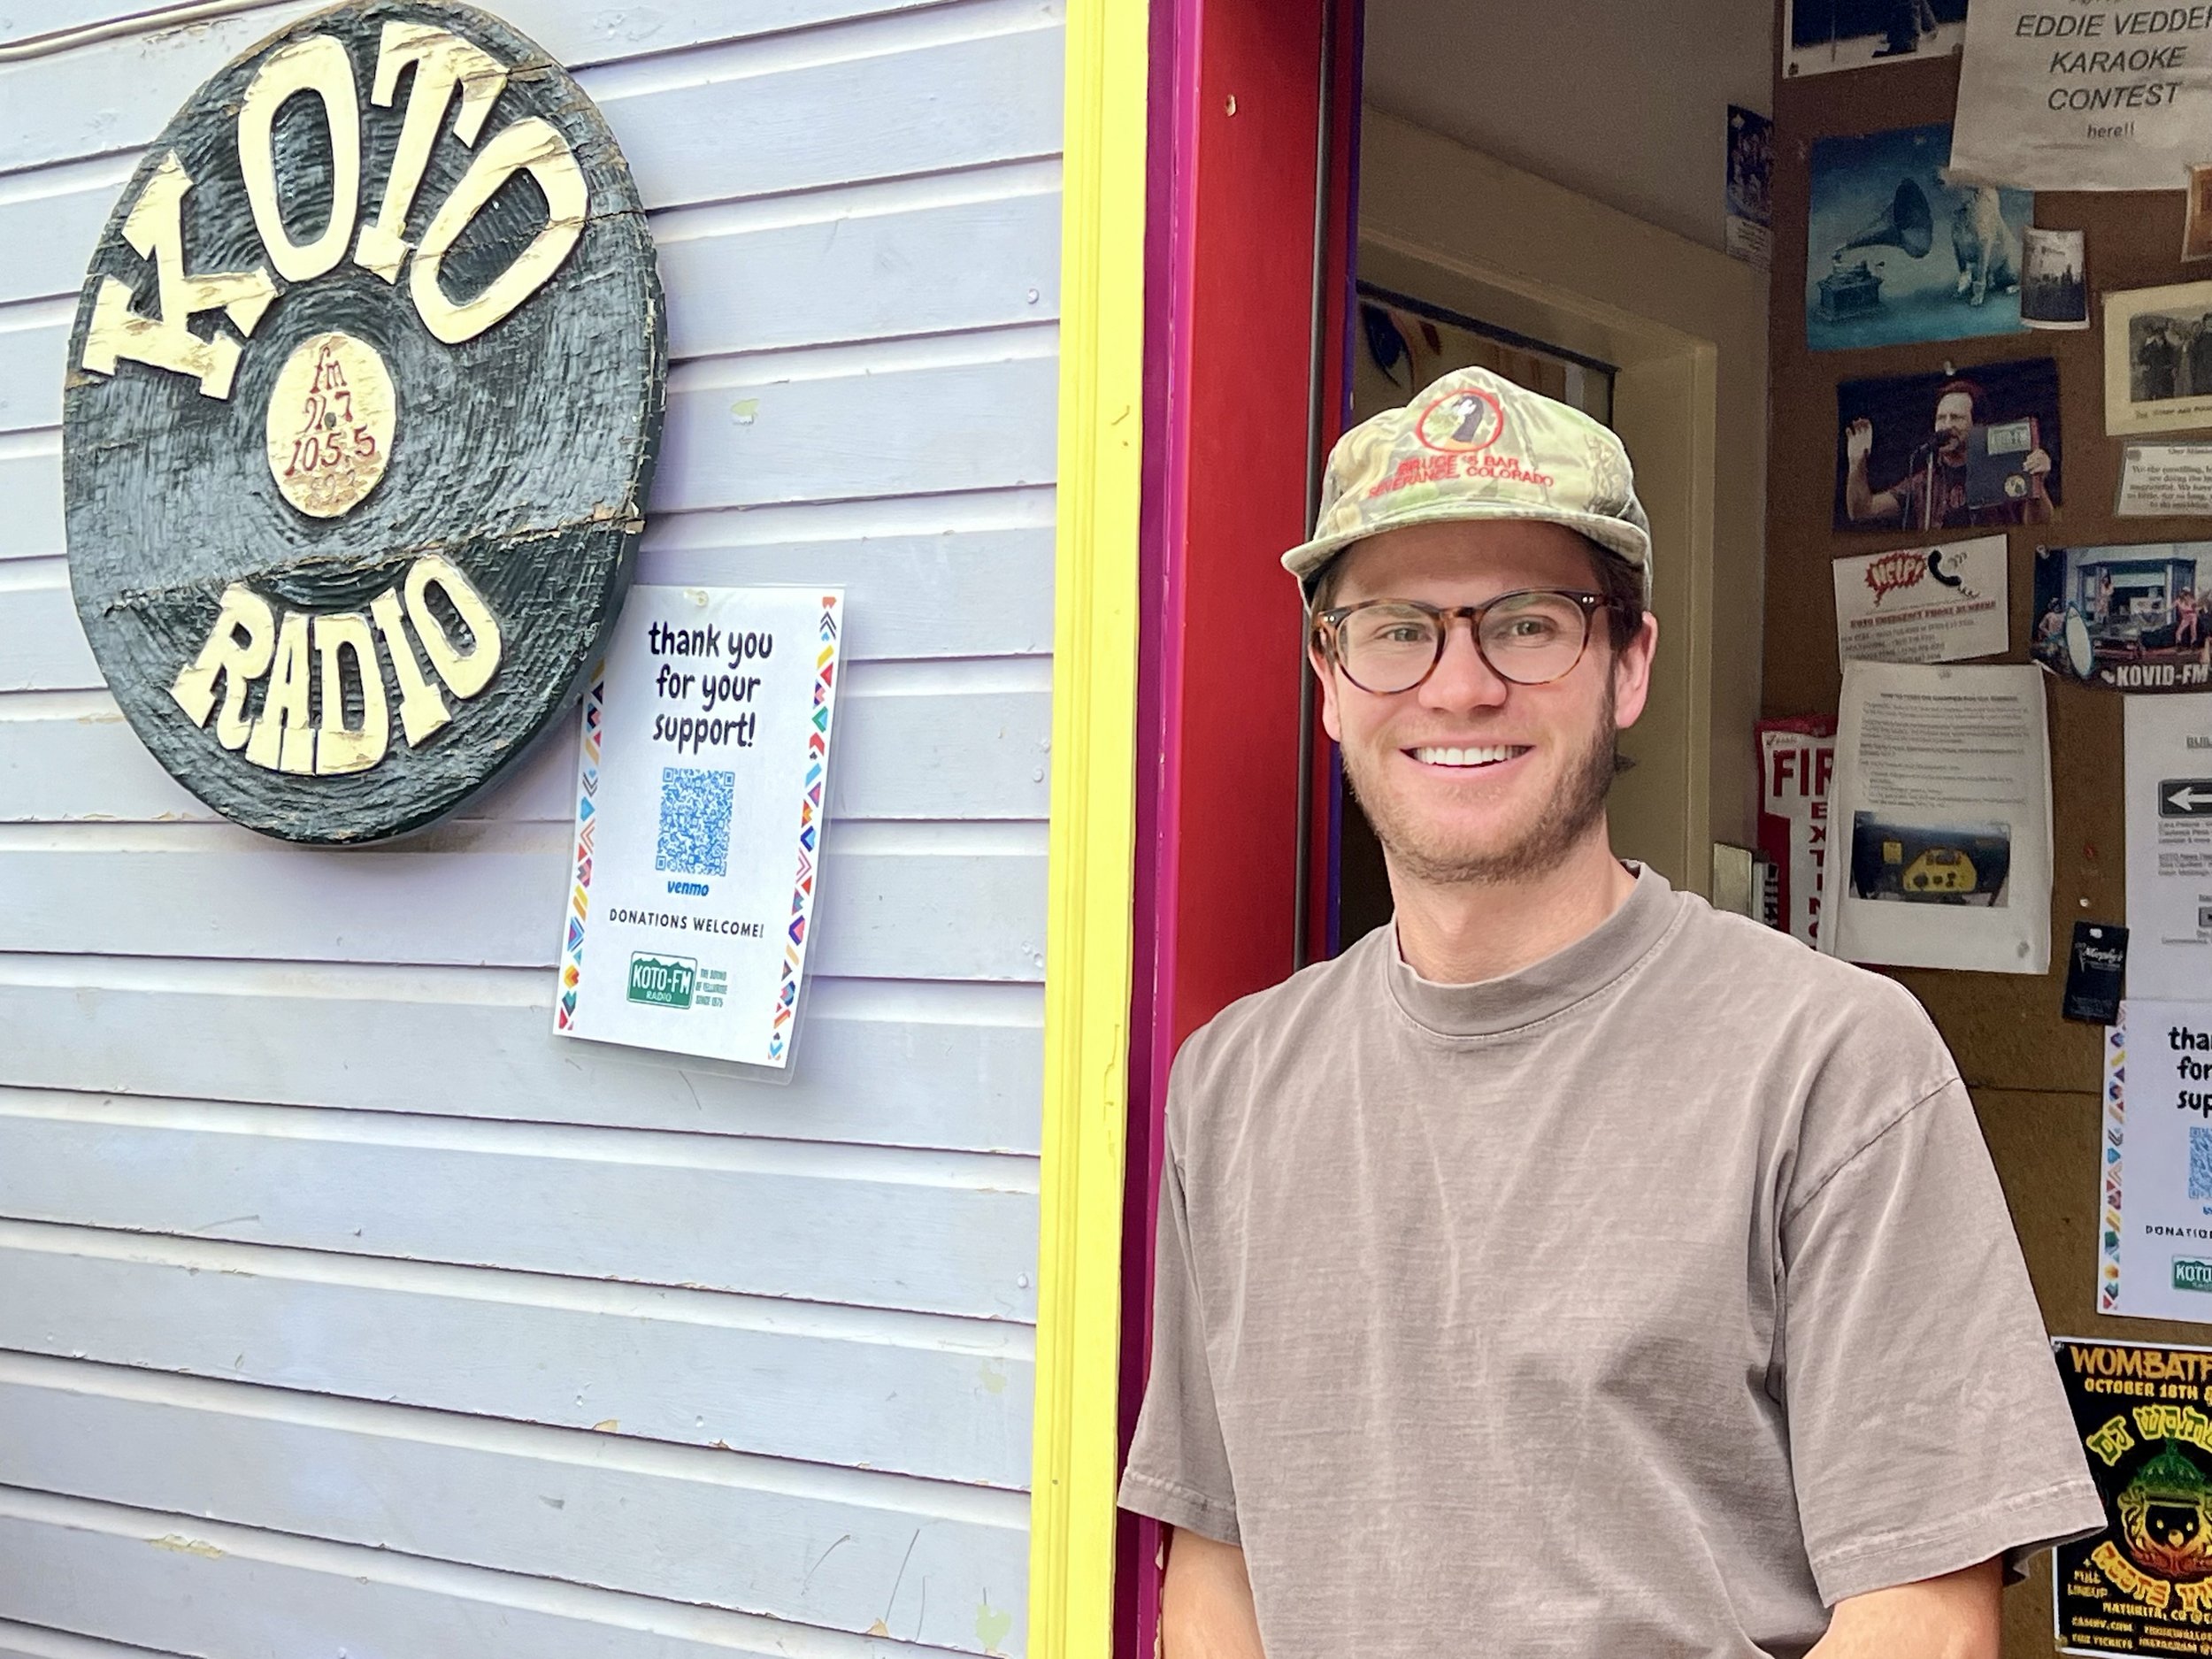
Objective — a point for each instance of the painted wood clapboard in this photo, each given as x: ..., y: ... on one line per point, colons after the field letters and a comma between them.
x: 343, y: 1311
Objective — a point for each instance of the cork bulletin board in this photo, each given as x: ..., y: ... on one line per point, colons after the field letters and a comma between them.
x: 2035, y: 1077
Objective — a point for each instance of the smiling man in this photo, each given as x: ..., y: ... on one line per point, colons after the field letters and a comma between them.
x: 1568, y: 1268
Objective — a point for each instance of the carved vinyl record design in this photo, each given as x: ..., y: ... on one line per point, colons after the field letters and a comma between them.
x: 363, y: 399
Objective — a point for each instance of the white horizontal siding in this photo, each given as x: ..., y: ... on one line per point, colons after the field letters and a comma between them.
x: 30, y: 492
x: 928, y: 741
x: 960, y: 900
x: 917, y: 1393
x: 210, y: 1588
x: 839, y: 1549
x: 116, y: 94
x: 883, y: 1063
x: 927, y: 1232
x: 344, y: 1310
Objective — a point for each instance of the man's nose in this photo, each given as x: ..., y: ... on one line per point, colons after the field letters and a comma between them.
x: 1462, y: 679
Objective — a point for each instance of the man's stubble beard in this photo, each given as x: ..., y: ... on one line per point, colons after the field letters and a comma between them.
x: 1577, y: 803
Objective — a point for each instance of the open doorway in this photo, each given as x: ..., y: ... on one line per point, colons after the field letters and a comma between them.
x: 1570, y: 274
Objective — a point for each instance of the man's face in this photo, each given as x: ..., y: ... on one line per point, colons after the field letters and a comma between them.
x: 1954, y: 418
x: 1534, y: 762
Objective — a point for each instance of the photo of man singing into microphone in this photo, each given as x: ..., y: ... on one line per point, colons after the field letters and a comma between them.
x: 1949, y: 451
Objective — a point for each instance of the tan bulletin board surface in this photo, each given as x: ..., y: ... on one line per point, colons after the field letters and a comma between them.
x: 2035, y: 1077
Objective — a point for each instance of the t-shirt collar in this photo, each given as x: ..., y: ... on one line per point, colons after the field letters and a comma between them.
x: 1544, y: 987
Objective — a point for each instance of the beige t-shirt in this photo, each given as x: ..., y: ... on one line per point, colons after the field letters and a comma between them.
x: 1635, y: 1304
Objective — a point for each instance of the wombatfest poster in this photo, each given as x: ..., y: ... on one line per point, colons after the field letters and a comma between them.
x: 2143, y: 1584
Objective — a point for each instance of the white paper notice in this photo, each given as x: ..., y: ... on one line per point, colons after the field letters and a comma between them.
x: 699, y: 820
x: 2155, y: 1259
x: 2169, y: 770
x: 1941, y: 819
x: 2088, y: 94
x: 1932, y: 605
x: 2165, y: 480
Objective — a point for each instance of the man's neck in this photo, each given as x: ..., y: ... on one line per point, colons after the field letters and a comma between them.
x: 1463, y: 932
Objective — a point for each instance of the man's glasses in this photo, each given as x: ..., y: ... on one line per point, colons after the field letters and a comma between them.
x: 1529, y: 637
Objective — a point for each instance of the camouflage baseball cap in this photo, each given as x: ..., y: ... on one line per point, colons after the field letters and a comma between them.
x: 1474, y: 445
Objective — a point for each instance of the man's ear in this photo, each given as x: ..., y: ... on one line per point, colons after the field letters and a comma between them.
x: 1331, y: 722
x: 1632, y: 672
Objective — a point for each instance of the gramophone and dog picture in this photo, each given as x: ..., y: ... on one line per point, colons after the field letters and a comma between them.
x: 1944, y: 451
x: 1895, y: 253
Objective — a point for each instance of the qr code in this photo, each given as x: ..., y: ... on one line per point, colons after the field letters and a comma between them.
x: 694, y: 838
x: 2199, y: 1163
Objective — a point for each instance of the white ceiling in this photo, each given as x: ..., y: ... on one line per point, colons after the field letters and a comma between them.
x: 1621, y: 100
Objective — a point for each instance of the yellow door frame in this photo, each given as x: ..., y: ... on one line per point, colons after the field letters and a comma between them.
x: 1074, y: 1447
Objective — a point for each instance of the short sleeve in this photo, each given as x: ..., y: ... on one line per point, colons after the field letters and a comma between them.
x: 1928, y: 1428
x: 1179, y: 1467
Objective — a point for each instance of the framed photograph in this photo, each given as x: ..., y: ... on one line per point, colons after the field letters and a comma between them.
x: 1897, y: 253
x: 1980, y: 448
x: 2054, y: 281
x: 2158, y: 359
x: 1821, y: 37
x: 2132, y: 616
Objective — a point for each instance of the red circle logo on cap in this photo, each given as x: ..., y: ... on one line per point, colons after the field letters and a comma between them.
x: 1461, y: 422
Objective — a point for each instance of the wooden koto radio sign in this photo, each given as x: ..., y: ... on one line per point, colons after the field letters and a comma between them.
x: 363, y: 395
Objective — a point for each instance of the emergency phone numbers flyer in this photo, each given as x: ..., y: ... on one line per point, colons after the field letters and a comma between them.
x: 701, y: 784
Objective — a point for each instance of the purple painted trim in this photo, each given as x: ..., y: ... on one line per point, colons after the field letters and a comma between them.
x: 1334, y: 853
x: 1172, y: 124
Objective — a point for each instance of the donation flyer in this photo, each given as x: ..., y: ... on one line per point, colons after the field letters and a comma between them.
x: 2087, y: 95
x: 699, y: 817
x: 2167, y: 744
x: 1923, y: 604
x: 2143, y: 1584
x: 2155, y: 1255
x: 1940, y: 815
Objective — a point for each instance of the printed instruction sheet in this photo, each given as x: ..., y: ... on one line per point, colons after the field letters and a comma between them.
x: 1941, y: 819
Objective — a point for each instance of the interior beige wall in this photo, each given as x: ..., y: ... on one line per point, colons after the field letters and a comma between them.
x: 1627, y: 105
x: 1688, y: 328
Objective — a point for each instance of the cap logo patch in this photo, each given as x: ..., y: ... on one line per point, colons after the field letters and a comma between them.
x: 1435, y: 469
x: 1461, y: 422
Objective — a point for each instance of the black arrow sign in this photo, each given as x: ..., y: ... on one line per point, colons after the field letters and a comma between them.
x: 2184, y: 797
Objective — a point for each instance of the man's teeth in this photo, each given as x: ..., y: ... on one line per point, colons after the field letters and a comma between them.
x: 1485, y: 755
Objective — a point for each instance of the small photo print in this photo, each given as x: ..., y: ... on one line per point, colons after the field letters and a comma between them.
x: 1979, y: 447
x: 1822, y: 36
x: 1897, y: 861
x: 2158, y: 359
x: 2130, y: 616
x: 2196, y: 225
x: 1896, y: 253
x: 1750, y: 213
x: 2054, y: 280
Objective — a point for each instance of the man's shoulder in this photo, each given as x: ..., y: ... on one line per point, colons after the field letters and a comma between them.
x: 1773, y: 990
x: 1267, y: 1027
x: 1264, y: 1018
x: 1767, y: 965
